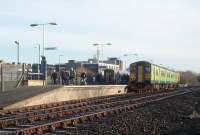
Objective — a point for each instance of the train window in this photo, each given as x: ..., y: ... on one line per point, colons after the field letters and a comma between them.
x: 147, y: 69
x: 135, y: 67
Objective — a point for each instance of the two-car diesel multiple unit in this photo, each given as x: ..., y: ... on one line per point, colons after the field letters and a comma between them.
x: 148, y: 76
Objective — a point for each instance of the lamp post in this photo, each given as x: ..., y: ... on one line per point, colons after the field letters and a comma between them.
x: 120, y: 63
x: 107, y: 44
x: 38, y: 45
x: 43, y: 25
x: 17, y: 43
x: 59, y: 69
x: 130, y: 54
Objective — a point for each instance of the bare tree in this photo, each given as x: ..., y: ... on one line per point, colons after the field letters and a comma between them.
x: 198, y: 78
x: 190, y: 78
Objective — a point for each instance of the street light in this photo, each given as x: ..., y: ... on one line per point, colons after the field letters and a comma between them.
x: 120, y: 62
x: 135, y: 54
x: 17, y: 43
x: 43, y: 24
x: 59, y: 69
x: 107, y: 44
x: 38, y: 45
x: 129, y: 54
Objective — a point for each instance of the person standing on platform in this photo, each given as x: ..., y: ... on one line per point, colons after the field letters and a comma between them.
x: 93, y: 79
x: 63, y: 77
x: 83, y: 78
x: 54, y: 77
x: 67, y: 77
x: 72, y: 76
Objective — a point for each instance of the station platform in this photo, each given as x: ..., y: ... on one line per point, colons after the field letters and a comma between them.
x: 29, y: 96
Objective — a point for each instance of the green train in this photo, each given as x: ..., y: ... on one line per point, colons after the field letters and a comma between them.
x: 147, y: 76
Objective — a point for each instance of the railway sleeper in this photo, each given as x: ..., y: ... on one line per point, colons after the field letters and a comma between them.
x: 117, y: 110
x: 34, y: 118
x: 66, y: 124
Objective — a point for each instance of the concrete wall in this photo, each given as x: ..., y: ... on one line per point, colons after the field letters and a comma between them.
x: 68, y: 93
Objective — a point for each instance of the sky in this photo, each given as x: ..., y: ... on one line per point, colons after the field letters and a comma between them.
x: 164, y: 31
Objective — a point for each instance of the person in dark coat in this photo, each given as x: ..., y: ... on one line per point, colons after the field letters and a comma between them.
x: 72, y: 76
x: 63, y: 77
x: 54, y: 77
x: 83, y: 78
x: 66, y: 78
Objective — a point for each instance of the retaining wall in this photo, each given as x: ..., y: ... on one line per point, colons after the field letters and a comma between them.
x: 68, y: 93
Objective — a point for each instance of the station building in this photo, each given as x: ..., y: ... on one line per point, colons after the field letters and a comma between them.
x: 92, y: 65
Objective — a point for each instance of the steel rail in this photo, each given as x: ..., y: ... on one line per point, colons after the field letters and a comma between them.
x: 61, y: 110
x: 44, y: 108
x: 39, y: 129
x: 66, y: 111
x: 55, y: 104
x: 36, y: 108
x: 106, y: 106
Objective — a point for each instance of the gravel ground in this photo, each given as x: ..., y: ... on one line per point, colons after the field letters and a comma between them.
x: 175, y: 116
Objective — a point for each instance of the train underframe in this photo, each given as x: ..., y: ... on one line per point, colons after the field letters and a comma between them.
x: 149, y: 87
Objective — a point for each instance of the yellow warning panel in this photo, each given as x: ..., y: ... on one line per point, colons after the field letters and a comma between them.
x: 131, y: 78
x: 140, y: 73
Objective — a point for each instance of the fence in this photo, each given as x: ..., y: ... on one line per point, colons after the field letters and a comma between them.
x: 10, y: 75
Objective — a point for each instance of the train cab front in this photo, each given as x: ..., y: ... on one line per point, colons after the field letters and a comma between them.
x: 139, y: 76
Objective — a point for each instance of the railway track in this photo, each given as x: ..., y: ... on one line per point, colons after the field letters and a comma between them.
x: 38, y: 120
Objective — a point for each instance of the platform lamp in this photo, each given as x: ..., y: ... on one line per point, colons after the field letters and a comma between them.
x: 96, y: 44
x: 129, y: 54
x: 43, y: 25
x: 17, y: 43
x: 59, y: 68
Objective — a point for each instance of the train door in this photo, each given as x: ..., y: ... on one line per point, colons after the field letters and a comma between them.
x: 140, y: 73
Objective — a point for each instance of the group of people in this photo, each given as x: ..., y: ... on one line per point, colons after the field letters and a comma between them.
x: 67, y: 78
x: 121, y: 78
x: 63, y: 77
